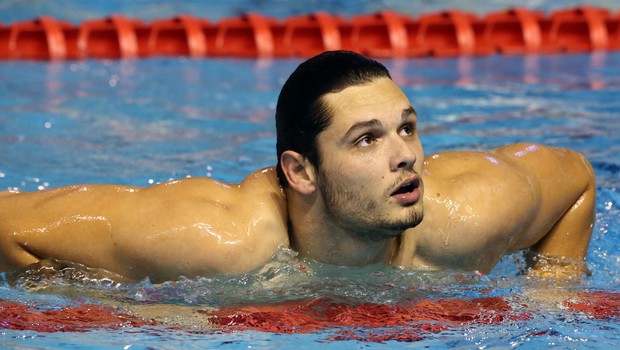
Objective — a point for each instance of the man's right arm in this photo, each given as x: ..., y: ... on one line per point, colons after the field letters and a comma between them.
x: 189, y: 227
x: 75, y: 223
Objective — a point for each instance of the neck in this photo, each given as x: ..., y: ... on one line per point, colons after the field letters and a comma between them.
x: 315, y: 235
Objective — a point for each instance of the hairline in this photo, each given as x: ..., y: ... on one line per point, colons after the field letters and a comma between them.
x: 322, y: 112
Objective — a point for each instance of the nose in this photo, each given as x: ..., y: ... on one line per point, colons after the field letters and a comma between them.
x: 403, y: 156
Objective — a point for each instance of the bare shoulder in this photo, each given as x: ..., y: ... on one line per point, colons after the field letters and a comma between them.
x: 480, y: 205
x: 259, y: 190
x: 189, y: 227
x: 472, y: 173
x: 524, y: 159
x: 206, y: 227
x: 263, y: 181
x: 542, y: 161
x: 264, y: 196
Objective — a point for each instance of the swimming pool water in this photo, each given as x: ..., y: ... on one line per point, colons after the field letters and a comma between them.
x: 141, y: 122
x: 147, y: 121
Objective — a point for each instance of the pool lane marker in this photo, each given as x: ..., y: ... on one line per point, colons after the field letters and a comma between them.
x: 383, y: 34
x: 337, y: 319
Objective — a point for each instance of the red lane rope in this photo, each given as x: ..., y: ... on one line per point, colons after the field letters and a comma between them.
x: 15, y: 315
x: 406, y: 322
x: 382, y: 34
x: 366, y: 322
x: 597, y: 304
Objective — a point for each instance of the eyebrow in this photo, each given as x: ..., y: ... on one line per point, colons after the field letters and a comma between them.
x: 360, y: 126
x: 374, y: 122
x: 408, y: 111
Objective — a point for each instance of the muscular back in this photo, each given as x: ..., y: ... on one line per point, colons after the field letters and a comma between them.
x: 189, y: 227
x: 481, y: 205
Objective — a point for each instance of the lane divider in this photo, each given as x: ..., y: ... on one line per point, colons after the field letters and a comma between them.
x: 382, y: 34
x: 336, y: 318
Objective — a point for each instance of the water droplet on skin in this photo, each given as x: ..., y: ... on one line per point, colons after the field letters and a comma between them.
x: 445, y: 236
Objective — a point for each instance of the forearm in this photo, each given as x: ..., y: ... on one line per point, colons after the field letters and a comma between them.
x: 70, y: 223
x: 566, y: 244
x: 570, y: 236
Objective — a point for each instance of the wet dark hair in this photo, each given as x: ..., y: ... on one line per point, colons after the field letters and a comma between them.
x: 302, y: 114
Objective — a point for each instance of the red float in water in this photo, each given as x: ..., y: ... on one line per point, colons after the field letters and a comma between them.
x: 381, y: 34
x: 341, y: 319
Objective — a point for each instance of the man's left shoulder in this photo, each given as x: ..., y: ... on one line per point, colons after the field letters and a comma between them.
x: 525, y: 158
x: 485, y: 163
x: 539, y: 160
x: 535, y: 152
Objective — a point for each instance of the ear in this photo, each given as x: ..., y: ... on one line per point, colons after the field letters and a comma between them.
x: 299, y: 172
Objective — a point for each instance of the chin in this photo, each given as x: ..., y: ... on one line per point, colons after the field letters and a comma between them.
x: 414, y: 218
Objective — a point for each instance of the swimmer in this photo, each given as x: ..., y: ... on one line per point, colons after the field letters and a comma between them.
x: 352, y: 187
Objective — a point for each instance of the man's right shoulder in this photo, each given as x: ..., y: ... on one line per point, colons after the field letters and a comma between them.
x: 263, y: 186
x: 230, y: 227
x: 266, y: 178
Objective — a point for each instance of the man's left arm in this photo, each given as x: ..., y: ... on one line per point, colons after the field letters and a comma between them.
x: 559, y: 236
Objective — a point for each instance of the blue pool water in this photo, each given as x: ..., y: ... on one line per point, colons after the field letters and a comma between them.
x: 146, y: 121
x: 141, y: 122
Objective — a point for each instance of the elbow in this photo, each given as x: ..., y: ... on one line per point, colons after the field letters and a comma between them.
x: 14, y: 255
x: 584, y: 170
x: 589, y: 173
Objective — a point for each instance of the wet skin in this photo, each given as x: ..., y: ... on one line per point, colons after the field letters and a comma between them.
x: 373, y: 182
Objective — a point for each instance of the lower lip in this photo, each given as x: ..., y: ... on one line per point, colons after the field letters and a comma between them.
x: 408, y: 198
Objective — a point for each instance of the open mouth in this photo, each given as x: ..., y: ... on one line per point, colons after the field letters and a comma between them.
x: 408, y: 193
x: 407, y: 187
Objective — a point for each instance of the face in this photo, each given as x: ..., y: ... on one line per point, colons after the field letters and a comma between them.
x: 371, y: 160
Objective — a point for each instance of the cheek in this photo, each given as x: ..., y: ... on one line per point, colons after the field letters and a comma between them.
x: 419, y: 151
x: 354, y: 174
x: 367, y: 167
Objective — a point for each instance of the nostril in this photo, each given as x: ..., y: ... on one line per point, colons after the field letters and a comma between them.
x: 402, y: 164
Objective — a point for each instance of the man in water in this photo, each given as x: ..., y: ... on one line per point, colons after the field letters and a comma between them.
x: 351, y: 188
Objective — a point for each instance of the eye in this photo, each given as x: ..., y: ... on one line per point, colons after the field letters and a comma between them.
x: 406, y: 130
x: 365, y: 141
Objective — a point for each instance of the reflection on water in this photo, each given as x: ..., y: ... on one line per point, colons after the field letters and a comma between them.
x: 142, y: 122
x: 519, y: 71
x: 373, y: 304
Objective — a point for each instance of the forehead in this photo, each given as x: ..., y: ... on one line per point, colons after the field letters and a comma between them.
x: 380, y: 99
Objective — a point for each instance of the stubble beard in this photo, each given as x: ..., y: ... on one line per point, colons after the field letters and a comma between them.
x: 354, y: 212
